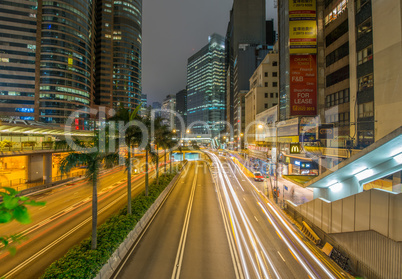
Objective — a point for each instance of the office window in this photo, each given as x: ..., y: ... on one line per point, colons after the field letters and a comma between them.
x: 275, y: 63
x: 365, y: 55
x: 266, y: 105
x: 266, y: 95
x: 274, y: 74
x: 272, y: 95
x: 366, y: 110
x: 266, y: 84
x: 364, y: 27
x: 266, y: 74
x: 275, y: 84
x: 360, y: 3
x: 365, y: 82
x: 276, y: 95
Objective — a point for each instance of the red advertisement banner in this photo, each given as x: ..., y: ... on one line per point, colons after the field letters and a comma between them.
x: 303, y: 85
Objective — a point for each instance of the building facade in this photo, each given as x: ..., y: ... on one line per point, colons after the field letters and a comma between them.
x: 263, y: 94
x: 246, y: 28
x: 181, y: 109
x: 206, y: 88
x: 118, y: 54
x: 167, y: 111
x: 55, y: 61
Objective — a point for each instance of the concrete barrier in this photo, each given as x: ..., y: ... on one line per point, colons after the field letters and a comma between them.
x: 114, y: 261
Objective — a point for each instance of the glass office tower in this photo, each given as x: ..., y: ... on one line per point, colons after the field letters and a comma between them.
x: 66, y: 61
x: 17, y: 59
x: 119, y: 42
x: 206, y: 88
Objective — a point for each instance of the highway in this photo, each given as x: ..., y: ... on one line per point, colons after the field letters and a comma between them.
x: 217, y: 224
x: 64, y: 221
x: 188, y: 237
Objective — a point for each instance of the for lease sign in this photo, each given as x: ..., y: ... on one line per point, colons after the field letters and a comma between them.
x: 303, y: 85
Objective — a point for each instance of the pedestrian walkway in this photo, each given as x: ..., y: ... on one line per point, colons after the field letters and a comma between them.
x: 287, y: 189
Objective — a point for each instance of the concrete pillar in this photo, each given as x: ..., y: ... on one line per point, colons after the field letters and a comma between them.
x: 35, y: 168
x: 397, y: 182
x: 47, y: 167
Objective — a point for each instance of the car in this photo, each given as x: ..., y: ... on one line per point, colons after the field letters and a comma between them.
x: 258, y: 176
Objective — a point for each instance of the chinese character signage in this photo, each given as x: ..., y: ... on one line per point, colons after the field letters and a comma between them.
x: 303, y: 85
x: 302, y: 27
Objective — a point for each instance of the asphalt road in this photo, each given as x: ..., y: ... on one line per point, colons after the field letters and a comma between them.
x: 188, y: 238
x: 64, y: 222
x: 268, y: 246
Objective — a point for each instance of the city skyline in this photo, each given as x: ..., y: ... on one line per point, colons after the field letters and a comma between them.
x: 168, y: 64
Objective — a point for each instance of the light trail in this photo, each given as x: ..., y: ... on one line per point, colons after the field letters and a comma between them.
x: 257, y: 261
x: 289, y: 229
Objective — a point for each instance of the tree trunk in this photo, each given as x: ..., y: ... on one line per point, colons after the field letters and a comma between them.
x: 146, y: 172
x: 94, y: 210
x: 165, y: 160
x: 129, y: 181
x: 157, y: 166
x: 170, y: 157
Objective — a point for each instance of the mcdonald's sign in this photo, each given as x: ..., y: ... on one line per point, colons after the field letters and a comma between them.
x: 294, y: 148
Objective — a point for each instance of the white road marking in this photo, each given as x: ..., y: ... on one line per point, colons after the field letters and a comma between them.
x: 256, y: 218
x: 281, y: 256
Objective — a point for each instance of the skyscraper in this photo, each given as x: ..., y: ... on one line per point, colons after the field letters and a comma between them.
x: 47, y: 58
x: 17, y: 59
x: 206, y: 87
x: 65, y: 61
x: 246, y: 33
x: 181, y: 109
x: 118, y: 56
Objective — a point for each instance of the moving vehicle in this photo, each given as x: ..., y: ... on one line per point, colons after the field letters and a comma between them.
x: 258, y: 176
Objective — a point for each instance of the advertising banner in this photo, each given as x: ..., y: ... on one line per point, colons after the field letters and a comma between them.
x: 303, y: 37
x: 302, y: 27
x: 303, y: 85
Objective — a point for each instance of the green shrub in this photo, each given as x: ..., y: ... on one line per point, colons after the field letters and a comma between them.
x: 82, y: 262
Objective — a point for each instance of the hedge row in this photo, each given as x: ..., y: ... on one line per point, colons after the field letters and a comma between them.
x: 82, y: 262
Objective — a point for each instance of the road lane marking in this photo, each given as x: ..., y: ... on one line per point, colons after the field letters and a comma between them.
x: 256, y: 218
x: 231, y: 237
x: 244, y: 199
x: 183, y: 237
x: 281, y: 256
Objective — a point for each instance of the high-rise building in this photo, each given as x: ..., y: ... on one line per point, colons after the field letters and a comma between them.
x: 246, y: 33
x: 118, y: 55
x: 206, y: 88
x: 263, y: 94
x: 168, y: 109
x: 181, y: 109
x: 65, y: 59
x: 48, y: 58
x: 17, y: 59
x: 358, y: 64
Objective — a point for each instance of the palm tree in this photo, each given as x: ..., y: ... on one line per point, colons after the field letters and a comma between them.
x: 132, y: 135
x: 93, y: 161
x: 162, y: 135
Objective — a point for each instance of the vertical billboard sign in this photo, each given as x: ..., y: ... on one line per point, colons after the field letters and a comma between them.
x: 303, y: 85
x: 302, y: 27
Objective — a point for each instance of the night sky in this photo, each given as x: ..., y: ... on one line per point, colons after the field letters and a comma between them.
x: 174, y: 30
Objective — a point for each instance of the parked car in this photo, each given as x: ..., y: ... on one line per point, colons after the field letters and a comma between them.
x: 258, y: 176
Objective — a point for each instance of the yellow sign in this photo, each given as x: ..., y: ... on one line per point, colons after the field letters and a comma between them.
x: 301, y: 9
x: 294, y: 148
x: 283, y: 139
x: 303, y: 37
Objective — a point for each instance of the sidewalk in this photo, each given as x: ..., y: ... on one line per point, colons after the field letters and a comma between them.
x: 296, y: 194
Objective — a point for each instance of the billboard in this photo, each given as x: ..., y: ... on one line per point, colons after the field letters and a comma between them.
x: 303, y: 85
x: 303, y: 36
x: 302, y: 27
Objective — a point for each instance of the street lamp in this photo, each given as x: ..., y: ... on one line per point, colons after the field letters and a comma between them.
x: 260, y: 126
x: 188, y: 131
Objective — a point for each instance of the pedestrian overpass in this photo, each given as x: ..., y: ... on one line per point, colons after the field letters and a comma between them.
x: 379, y: 160
x: 365, y: 225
